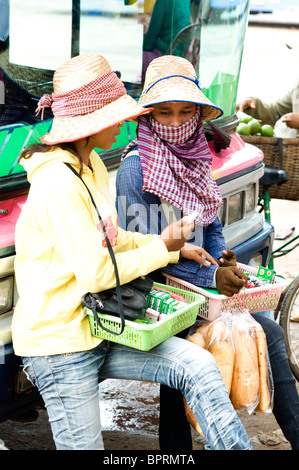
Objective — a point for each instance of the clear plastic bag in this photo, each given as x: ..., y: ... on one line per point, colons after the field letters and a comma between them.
x: 216, y: 338
x: 238, y: 344
x: 282, y: 130
x: 252, y: 383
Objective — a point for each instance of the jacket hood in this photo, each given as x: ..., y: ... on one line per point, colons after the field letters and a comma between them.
x: 40, y: 160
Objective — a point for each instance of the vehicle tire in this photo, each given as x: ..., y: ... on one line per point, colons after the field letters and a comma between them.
x: 289, y: 310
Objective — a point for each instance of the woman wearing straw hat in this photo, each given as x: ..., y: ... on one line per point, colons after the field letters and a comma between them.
x: 61, y: 254
x: 166, y: 172
x: 169, y: 173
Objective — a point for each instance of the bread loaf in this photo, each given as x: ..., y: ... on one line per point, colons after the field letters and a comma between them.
x: 245, y: 381
x: 224, y: 355
x: 216, y: 331
x: 209, y: 337
x: 198, y: 339
x: 213, y: 338
x: 261, y: 344
x: 243, y: 365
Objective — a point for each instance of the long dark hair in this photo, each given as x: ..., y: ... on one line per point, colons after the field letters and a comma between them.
x: 42, y: 148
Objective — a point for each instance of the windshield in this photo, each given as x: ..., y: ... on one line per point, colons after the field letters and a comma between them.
x: 38, y: 36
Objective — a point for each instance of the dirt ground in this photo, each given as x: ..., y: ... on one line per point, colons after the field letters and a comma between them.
x: 128, y: 427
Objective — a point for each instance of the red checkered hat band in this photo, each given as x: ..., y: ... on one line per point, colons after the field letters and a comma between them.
x: 85, y: 99
x: 88, y: 98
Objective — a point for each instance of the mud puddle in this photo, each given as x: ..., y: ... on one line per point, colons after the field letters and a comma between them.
x: 129, y: 406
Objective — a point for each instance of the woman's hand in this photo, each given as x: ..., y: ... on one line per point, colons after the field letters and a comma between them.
x: 228, y: 258
x: 245, y: 104
x: 175, y: 235
x: 230, y: 280
x: 198, y: 254
x: 291, y: 120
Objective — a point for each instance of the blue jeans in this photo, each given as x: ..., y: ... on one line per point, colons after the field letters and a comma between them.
x: 68, y: 384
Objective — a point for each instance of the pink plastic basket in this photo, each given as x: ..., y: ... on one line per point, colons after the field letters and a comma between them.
x: 257, y: 299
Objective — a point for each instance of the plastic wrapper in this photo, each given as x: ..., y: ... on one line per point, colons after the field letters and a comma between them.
x: 238, y: 344
x: 282, y: 130
x: 252, y: 383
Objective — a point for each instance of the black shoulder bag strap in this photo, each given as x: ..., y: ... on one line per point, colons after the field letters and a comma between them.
x: 111, y: 252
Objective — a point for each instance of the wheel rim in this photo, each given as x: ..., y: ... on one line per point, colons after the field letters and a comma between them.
x: 290, y: 311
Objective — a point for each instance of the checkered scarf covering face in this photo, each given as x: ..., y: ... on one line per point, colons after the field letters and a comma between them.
x: 85, y: 99
x: 176, y: 164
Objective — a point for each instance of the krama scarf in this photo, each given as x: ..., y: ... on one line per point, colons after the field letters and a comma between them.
x: 176, y: 165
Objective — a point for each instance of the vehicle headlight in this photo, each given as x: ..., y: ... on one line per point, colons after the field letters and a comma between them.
x: 235, y: 207
x: 6, y: 294
x: 250, y: 198
x: 222, y: 212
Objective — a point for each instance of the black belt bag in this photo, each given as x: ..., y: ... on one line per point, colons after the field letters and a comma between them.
x: 126, y: 301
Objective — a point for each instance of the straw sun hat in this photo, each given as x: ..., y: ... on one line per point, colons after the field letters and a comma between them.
x: 171, y: 78
x: 88, y: 98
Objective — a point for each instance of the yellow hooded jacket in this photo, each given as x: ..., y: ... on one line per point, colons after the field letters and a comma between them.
x: 61, y: 254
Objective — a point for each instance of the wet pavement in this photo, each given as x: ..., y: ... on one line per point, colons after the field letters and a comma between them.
x: 130, y: 414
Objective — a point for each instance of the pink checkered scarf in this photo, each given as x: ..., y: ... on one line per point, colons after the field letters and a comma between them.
x: 176, y: 164
x: 83, y: 100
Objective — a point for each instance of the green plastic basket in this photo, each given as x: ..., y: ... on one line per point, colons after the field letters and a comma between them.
x: 145, y: 337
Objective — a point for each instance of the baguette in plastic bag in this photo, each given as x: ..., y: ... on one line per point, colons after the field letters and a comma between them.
x: 238, y: 344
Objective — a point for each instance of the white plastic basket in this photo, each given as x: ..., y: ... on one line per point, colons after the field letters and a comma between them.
x: 255, y: 300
